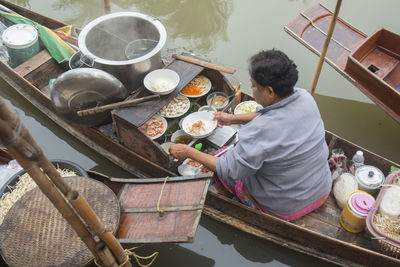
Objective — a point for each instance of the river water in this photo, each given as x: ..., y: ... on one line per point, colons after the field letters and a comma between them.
x: 228, y: 33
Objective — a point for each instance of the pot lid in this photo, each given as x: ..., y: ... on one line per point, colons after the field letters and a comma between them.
x: 20, y: 36
x: 362, y: 202
x: 369, y: 176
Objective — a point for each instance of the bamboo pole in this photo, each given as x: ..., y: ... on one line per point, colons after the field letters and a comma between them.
x: 89, y: 216
x: 17, y: 139
x: 325, y: 47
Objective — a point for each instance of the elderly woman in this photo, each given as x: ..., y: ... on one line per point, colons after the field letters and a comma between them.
x: 280, y: 163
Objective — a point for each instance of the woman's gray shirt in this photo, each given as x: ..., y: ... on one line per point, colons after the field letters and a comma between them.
x: 281, y: 156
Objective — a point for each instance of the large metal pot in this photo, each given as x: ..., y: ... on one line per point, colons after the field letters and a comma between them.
x: 106, y: 38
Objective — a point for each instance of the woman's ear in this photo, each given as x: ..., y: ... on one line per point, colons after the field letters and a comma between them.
x: 270, y: 90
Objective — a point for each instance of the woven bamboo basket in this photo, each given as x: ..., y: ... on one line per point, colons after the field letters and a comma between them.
x: 380, y: 241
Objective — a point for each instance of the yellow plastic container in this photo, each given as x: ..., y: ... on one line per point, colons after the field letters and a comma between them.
x: 356, y: 210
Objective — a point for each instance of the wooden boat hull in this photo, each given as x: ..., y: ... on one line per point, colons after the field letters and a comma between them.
x: 371, y: 63
x: 318, y: 234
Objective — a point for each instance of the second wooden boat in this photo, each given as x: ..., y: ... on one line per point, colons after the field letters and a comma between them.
x: 372, y: 63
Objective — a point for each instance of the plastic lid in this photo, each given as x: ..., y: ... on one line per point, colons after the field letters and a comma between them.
x: 20, y: 36
x: 369, y: 176
x: 362, y: 202
x: 360, y: 153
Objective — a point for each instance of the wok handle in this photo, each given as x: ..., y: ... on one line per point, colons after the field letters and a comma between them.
x: 204, y: 63
x: 122, y: 104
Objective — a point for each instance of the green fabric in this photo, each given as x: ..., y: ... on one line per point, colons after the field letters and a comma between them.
x: 393, y: 169
x: 56, y: 50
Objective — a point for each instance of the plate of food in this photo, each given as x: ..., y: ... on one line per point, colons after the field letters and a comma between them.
x: 199, y: 124
x: 246, y: 107
x: 154, y: 127
x: 197, y: 87
x: 178, y: 106
x: 192, y: 167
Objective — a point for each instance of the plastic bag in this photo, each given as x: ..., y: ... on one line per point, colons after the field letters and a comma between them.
x: 8, y: 170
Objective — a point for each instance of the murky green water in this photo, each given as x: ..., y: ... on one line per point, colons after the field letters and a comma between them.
x: 228, y: 33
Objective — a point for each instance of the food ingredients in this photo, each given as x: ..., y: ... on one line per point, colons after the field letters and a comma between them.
x: 390, y: 227
x: 173, y: 128
x: 153, y: 127
x: 203, y: 169
x: 390, y: 204
x: 162, y: 85
x: 24, y: 184
x: 344, y: 185
x: 247, y: 107
x: 219, y: 101
x: 183, y: 139
x: 178, y: 106
x: 197, y: 86
x: 199, y: 128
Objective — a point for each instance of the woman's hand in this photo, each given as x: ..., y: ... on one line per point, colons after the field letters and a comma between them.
x: 223, y: 118
x: 180, y: 151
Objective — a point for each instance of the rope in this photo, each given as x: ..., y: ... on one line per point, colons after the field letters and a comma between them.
x: 161, y: 211
x: 129, y: 252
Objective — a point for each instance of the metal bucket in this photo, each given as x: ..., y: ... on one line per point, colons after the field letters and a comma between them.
x: 106, y: 39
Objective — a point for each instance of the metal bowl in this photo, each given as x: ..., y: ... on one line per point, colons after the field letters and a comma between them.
x: 84, y: 88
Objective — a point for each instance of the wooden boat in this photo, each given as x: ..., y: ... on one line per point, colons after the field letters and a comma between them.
x: 372, y: 63
x: 318, y: 234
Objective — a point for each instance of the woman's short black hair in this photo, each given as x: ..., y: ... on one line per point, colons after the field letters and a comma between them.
x: 274, y: 68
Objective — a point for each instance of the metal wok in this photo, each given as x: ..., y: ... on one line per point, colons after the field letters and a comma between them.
x: 84, y: 88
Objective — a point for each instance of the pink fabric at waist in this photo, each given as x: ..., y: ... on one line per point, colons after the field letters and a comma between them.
x: 300, y: 213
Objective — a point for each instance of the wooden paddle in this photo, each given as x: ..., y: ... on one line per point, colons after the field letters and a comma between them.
x: 122, y: 104
x: 204, y: 63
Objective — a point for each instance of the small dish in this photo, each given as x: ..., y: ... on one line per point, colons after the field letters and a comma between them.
x: 154, y: 127
x: 208, y: 109
x: 217, y: 100
x: 246, y: 107
x: 161, y: 81
x: 199, y: 124
x: 176, y: 107
x: 197, y: 87
x: 181, y: 137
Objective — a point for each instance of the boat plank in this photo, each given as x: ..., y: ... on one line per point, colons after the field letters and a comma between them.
x: 33, y: 63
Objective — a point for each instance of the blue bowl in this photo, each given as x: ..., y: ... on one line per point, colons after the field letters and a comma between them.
x: 221, y: 100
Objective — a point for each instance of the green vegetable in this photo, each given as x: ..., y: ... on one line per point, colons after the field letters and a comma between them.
x: 248, y: 107
x: 173, y: 128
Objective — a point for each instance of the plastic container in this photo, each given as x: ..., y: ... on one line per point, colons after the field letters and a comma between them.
x: 369, y: 178
x: 390, y: 204
x: 208, y: 109
x: 22, y: 43
x: 358, y: 159
x: 354, y: 214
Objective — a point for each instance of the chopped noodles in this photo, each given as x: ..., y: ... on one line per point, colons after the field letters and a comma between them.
x: 24, y: 185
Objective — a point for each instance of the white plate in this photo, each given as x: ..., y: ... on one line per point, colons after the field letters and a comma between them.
x: 181, y: 113
x: 205, y: 117
x: 206, y: 86
x: 155, y: 117
x: 244, y: 103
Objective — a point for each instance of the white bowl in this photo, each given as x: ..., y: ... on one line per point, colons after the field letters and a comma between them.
x: 161, y: 81
x: 206, y: 118
x: 248, y: 106
x: 179, y: 133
